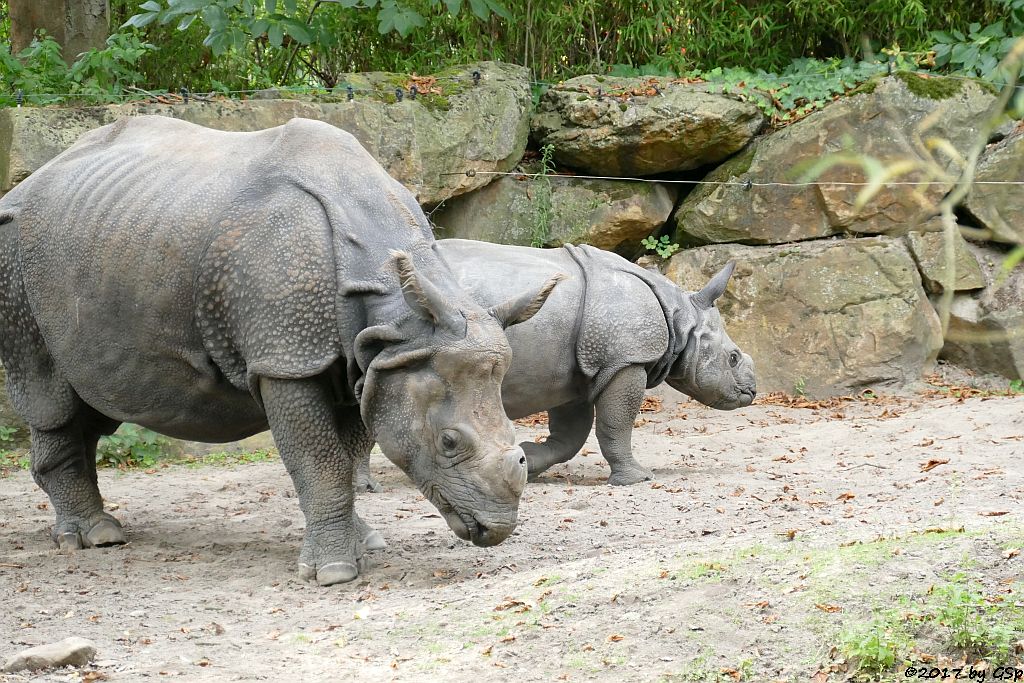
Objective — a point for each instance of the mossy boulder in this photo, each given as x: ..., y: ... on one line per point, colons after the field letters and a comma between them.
x: 467, y: 127
x: 641, y: 126
x: 555, y: 210
x: 826, y: 317
x: 882, y: 122
x: 1000, y: 208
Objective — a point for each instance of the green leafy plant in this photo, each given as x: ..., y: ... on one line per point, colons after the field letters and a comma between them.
x: 979, y: 51
x: 41, y: 73
x: 541, y: 231
x: 1016, y: 386
x: 663, y: 246
x: 877, y: 645
x: 974, y: 624
x: 38, y: 70
x: 130, y: 446
x: 7, y: 433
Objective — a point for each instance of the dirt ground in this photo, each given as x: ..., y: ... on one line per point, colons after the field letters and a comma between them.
x: 768, y: 531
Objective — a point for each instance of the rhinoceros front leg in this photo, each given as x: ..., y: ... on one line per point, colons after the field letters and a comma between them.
x: 319, y: 445
x: 64, y: 466
x: 617, y: 408
x: 569, y: 426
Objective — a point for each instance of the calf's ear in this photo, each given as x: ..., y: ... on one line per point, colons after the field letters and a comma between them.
x: 521, y: 308
x: 423, y: 297
x: 715, y: 287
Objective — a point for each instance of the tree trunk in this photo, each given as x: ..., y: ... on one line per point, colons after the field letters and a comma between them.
x: 78, y: 25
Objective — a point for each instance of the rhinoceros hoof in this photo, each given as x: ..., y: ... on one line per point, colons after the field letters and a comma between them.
x: 629, y: 476
x: 331, y: 573
x: 374, y: 541
x: 106, y: 531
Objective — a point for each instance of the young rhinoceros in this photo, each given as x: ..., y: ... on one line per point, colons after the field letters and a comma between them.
x: 208, y: 285
x: 610, y: 331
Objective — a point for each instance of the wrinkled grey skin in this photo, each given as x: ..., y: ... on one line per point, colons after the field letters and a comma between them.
x: 581, y: 354
x: 208, y: 285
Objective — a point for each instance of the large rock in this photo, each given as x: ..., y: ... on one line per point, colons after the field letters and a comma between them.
x: 827, y: 317
x: 10, y: 420
x: 1000, y: 208
x: 73, y: 651
x: 882, y: 122
x: 986, y: 329
x: 650, y: 127
x: 556, y: 210
x: 928, y: 249
x: 467, y: 127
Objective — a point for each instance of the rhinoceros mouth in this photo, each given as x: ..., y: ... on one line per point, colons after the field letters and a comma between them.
x: 467, y: 527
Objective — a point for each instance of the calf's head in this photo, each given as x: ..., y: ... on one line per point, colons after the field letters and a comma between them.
x: 431, y: 395
x: 711, y: 368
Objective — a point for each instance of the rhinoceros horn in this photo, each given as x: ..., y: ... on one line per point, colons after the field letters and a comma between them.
x: 521, y: 308
x: 423, y: 297
x: 706, y: 297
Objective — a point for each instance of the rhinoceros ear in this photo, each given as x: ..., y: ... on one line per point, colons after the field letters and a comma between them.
x: 706, y: 297
x: 521, y: 308
x: 423, y: 297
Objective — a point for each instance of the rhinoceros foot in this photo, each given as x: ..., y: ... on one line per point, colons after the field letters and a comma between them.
x: 365, y: 483
x: 96, y: 532
x: 632, y: 474
x: 331, y: 557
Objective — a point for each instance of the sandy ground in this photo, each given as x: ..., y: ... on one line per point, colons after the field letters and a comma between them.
x: 738, y: 563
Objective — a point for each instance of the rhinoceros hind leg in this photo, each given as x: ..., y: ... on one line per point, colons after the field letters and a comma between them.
x: 617, y: 408
x: 569, y: 427
x: 319, y: 447
x: 64, y: 466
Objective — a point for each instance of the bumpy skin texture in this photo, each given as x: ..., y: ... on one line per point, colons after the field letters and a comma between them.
x: 606, y: 334
x: 208, y: 285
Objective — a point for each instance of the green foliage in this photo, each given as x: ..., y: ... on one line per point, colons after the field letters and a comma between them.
x: 96, y: 76
x: 662, y: 246
x: 541, y: 232
x: 978, y: 51
x: 1016, y: 386
x: 877, y: 645
x: 957, y: 616
x: 39, y: 68
x: 130, y: 446
x: 974, y: 625
x: 7, y: 433
x: 13, y: 460
x: 802, y: 87
x: 231, y: 458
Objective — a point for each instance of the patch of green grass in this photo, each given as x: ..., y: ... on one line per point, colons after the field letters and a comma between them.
x: 230, y: 458
x: 700, y: 572
x: 701, y: 669
x: 14, y: 460
x: 958, y: 617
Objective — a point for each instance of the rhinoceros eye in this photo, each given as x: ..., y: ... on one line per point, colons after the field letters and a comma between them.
x: 734, y: 358
x: 449, y: 441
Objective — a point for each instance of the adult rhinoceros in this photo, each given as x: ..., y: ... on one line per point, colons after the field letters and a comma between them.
x: 604, y: 336
x: 208, y: 285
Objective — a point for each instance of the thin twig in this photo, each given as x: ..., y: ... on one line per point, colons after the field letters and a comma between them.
x: 1011, y: 67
